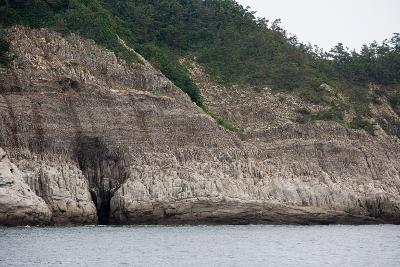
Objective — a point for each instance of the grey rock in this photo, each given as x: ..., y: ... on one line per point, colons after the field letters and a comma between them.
x: 91, y: 132
x: 18, y: 204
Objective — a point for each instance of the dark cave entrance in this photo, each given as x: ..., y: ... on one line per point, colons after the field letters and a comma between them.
x: 102, y: 201
x: 105, y: 170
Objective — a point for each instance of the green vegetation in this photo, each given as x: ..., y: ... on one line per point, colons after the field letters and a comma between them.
x: 377, y: 63
x: 165, y: 60
x: 337, y: 115
x: 232, y: 44
x: 394, y: 100
x: 221, y: 121
x: 84, y: 17
x: 235, y: 47
x: 361, y: 123
x: 90, y: 19
x: 331, y: 114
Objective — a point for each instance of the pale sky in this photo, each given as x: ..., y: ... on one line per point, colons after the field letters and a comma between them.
x: 327, y: 22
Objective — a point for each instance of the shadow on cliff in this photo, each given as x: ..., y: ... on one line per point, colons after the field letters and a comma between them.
x: 105, y: 169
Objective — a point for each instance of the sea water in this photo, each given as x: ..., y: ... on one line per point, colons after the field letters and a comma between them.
x: 377, y: 245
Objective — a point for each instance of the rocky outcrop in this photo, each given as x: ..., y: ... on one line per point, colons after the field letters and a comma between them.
x: 319, y: 173
x: 19, y: 205
x: 61, y: 185
x: 94, y: 135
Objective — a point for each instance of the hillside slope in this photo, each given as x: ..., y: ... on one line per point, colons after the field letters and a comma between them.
x: 231, y: 44
x: 93, y: 135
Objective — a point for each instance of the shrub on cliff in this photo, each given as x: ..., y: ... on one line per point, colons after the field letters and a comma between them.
x: 394, y: 100
x: 166, y: 61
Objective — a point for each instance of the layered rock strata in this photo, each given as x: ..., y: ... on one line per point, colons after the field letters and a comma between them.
x: 97, y: 140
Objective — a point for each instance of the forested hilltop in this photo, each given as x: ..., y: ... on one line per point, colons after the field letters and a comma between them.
x: 231, y: 44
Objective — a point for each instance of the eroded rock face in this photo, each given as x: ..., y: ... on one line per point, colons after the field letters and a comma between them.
x: 61, y: 185
x: 319, y: 173
x: 19, y: 205
x: 94, y: 135
x: 321, y: 165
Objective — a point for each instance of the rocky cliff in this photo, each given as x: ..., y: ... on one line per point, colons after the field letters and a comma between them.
x: 89, y: 138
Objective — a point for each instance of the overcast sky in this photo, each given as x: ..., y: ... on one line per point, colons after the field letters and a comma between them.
x: 327, y: 22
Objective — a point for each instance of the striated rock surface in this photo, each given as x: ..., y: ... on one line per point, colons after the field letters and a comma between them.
x: 61, y: 185
x: 321, y: 165
x: 19, y: 205
x: 92, y: 135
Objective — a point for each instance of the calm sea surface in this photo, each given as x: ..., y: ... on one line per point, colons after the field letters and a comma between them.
x: 201, y: 246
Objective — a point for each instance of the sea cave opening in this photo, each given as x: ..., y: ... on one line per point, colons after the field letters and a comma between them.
x: 102, y: 202
x: 103, y: 165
